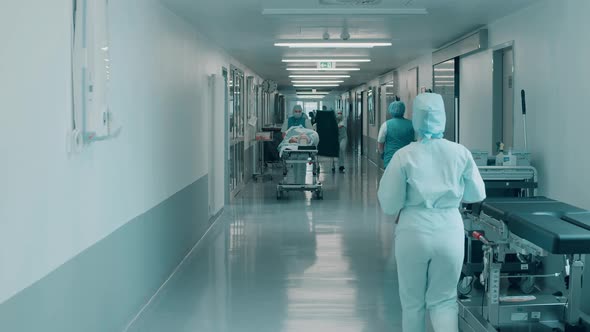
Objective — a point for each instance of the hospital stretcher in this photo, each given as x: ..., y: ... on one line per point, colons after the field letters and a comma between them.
x: 533, y: 229
x: 512, y: 181
x: 296, y: 163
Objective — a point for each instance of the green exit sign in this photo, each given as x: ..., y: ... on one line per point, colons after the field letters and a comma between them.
x: 327, y: 65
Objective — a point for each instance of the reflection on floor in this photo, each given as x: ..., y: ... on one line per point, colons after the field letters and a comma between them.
x: 292, y: 265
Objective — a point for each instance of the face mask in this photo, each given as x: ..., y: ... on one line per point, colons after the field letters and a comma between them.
x: 339, y: 117
x: 297, y: 115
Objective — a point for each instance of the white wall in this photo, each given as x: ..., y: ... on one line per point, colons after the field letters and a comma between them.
x: 476, y: 112
x: 424, y: 65
x: 551, y: 62
x: 53, y: 206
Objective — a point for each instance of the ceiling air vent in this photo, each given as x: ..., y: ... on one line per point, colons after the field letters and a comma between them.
x: 350, y: 2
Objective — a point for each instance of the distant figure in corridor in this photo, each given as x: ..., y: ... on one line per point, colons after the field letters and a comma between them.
x: 342, y: 139
x: 296, y: 119
x: 395, y: 133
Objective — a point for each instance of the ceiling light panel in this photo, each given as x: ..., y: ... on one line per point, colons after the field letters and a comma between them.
x: 327, y: 60
x: 350, y: 2
x: 322, y: 69
x: 319, y: 76
x: 315, y: 85
x: 333, y: 44
x: 310, y: 97
x: 345, y: 11
x: 321, y: 82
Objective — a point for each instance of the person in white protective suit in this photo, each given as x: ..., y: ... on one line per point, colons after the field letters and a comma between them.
x: 424, y: 186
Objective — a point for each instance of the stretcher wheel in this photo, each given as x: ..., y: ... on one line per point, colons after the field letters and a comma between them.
x: 527, y: 285
x: 514, y: 281
x: 476, y: 283
x: 465, y: 285
x: 319, y: 194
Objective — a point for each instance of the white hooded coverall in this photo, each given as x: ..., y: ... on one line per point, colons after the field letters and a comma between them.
x: 426, y: 182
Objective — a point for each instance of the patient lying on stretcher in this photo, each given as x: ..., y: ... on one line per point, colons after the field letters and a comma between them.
x: 298, y: 136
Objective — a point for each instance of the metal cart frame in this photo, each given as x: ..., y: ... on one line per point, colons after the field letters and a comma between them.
x: 297, y: 160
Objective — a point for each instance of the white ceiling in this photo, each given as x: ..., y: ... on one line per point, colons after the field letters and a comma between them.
x: 239, y: 27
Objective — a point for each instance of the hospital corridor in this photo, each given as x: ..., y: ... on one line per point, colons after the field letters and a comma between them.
x: 291, y: 166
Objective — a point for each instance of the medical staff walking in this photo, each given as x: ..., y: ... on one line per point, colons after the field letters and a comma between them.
x: 395, y: 133
x: 342, y: 139
x: 426, y: 183
x: 296, y: 119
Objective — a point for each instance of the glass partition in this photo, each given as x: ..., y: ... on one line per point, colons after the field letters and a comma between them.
x: 236, y: 129
x: 371, y: 106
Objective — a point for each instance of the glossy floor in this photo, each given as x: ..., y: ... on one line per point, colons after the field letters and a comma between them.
x: 296, y: 264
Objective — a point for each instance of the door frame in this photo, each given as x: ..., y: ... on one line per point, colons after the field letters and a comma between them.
x: 225, y: 77
x: 498, y: 92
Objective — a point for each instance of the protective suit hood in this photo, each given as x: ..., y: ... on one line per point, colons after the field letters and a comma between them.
x: 429, y: 118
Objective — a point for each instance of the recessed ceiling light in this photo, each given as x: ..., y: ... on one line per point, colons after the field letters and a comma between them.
x: 313, y: 93
x: 321, y: 82
x: 332, y: 45
x: 326, y: 60
x: 315, y: 85
x: 444, y: 69
x: 322, y: 69
x: 310, y: 97
x: 319, y: 76
x: 345, y: 11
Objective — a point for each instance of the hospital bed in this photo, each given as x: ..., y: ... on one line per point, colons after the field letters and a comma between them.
x: 534, y: 229
x: 300, y: 162
x: 511, y: 181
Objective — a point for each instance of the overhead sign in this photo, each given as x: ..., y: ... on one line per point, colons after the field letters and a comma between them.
x: 326, y: 65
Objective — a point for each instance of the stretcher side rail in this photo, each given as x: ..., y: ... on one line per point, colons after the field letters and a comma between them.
x: 530, y: 227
